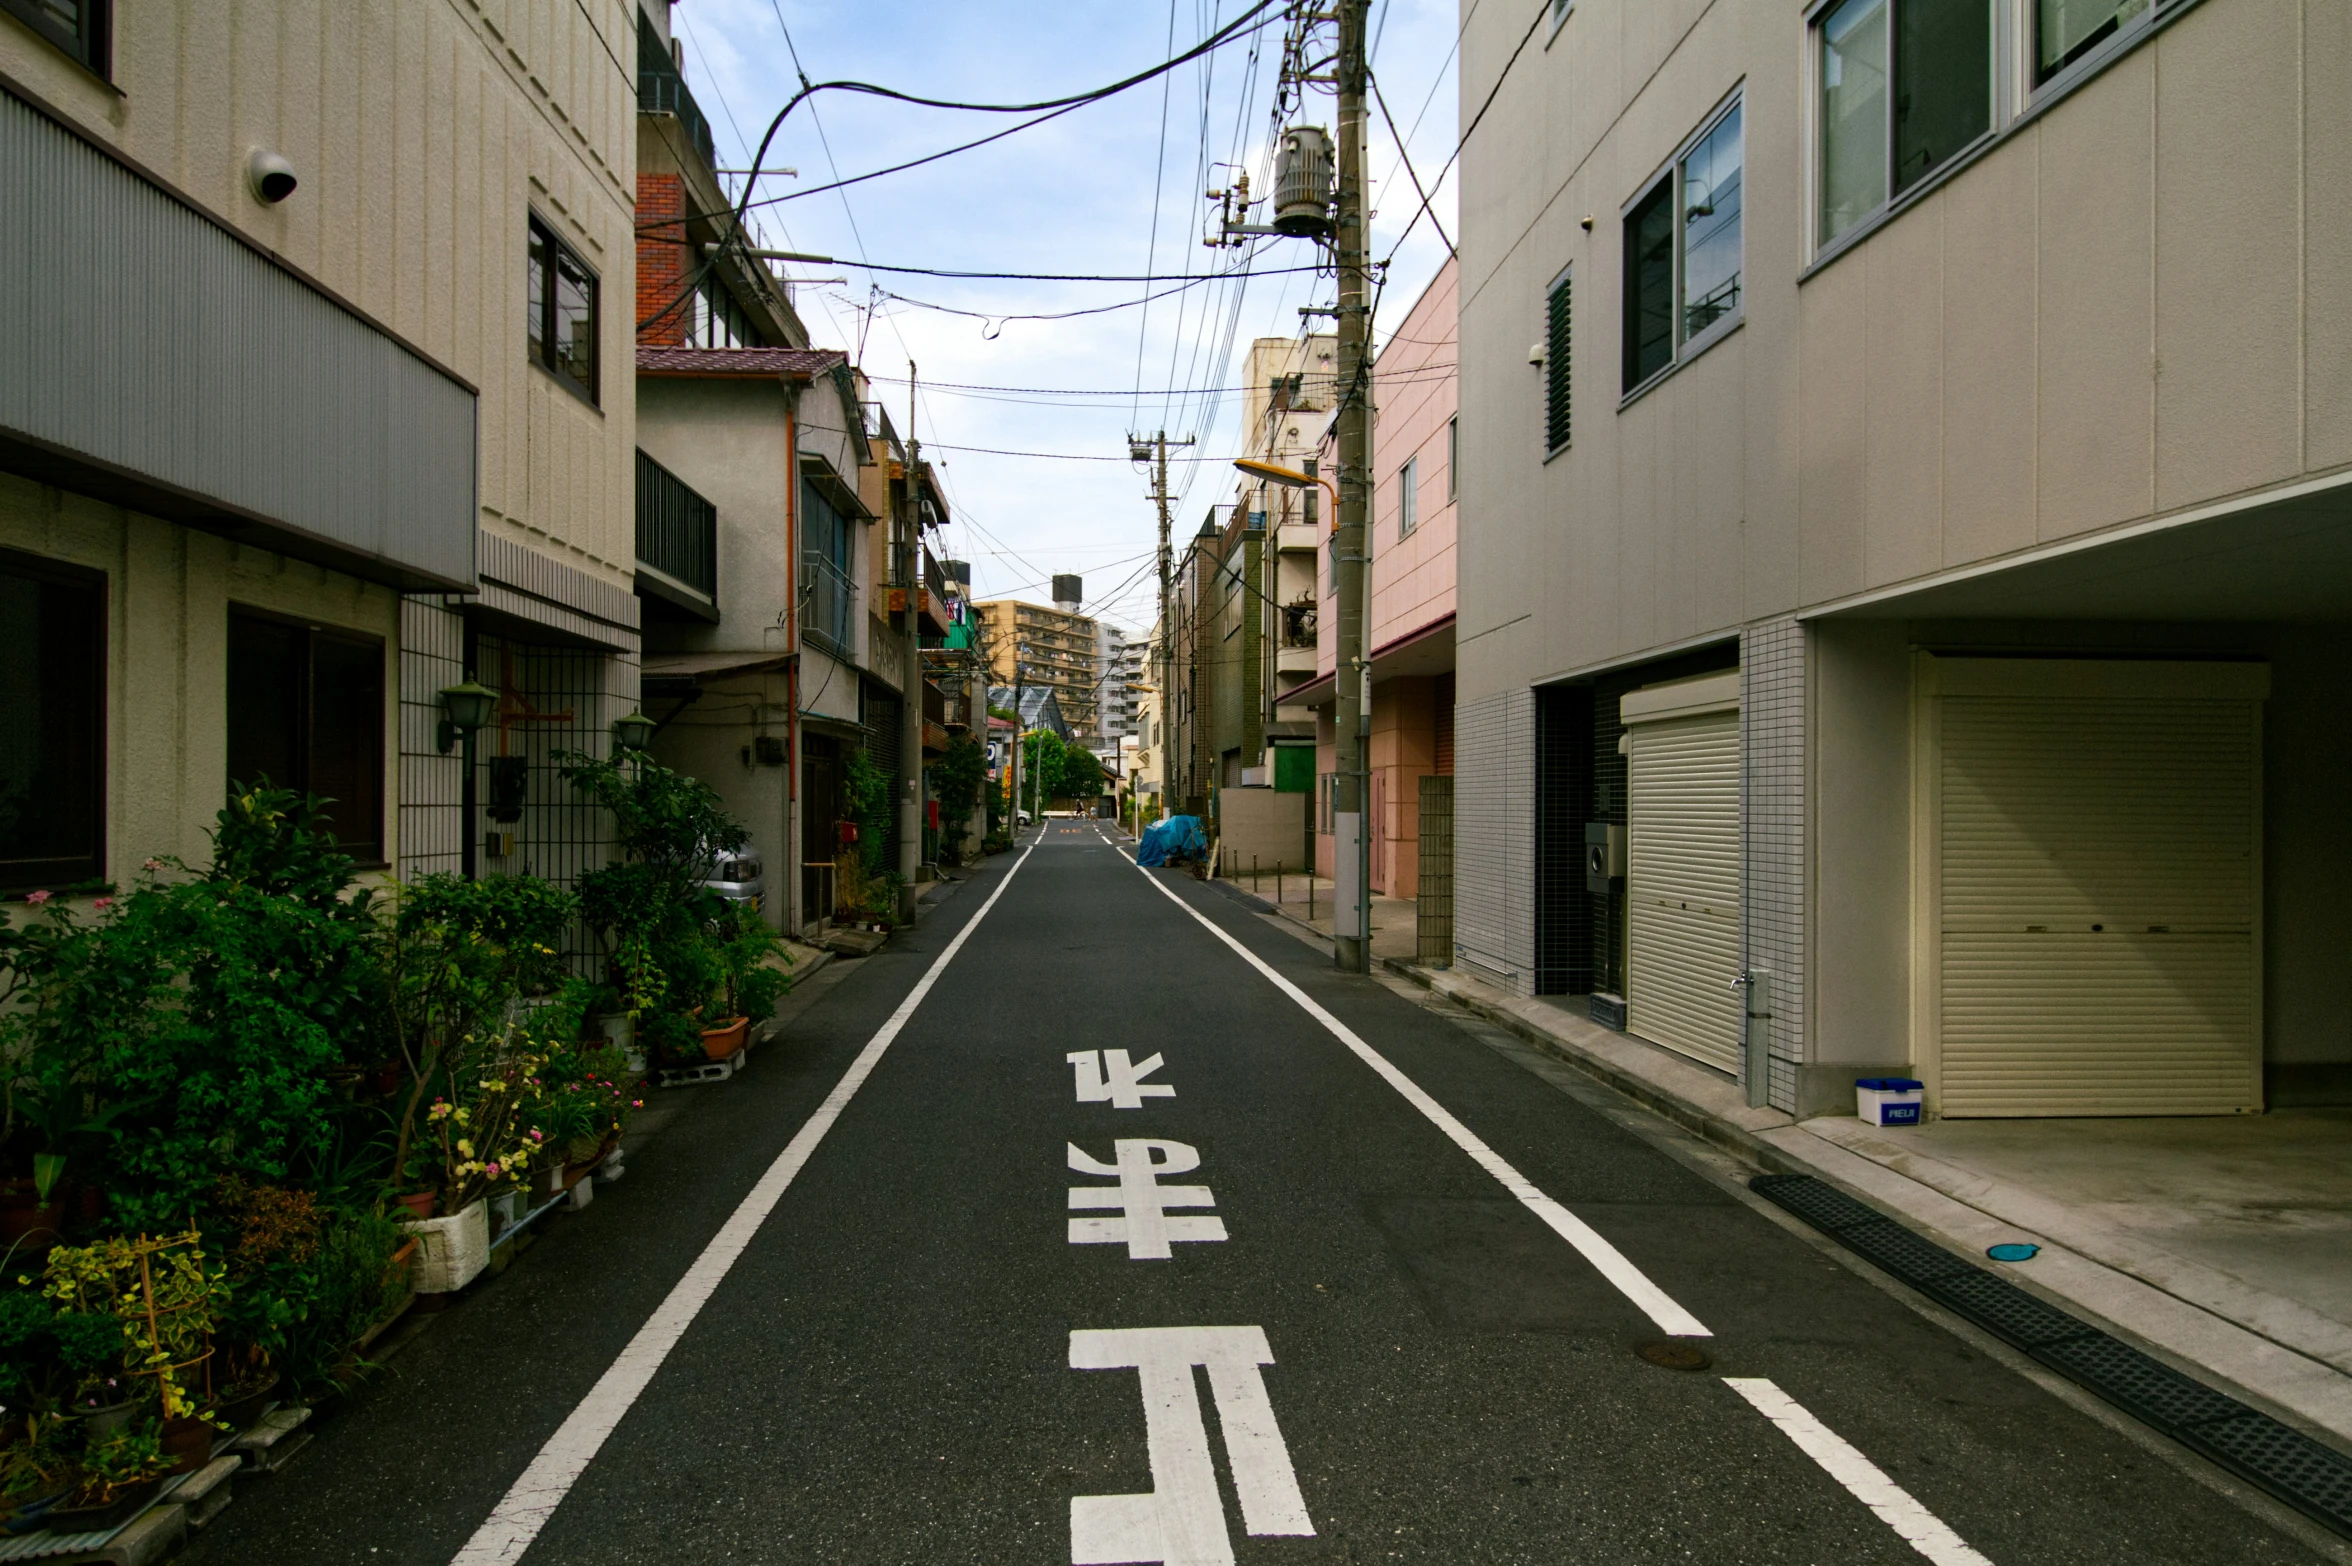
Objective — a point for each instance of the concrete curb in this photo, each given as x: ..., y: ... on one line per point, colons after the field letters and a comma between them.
x: 2300, y: 1390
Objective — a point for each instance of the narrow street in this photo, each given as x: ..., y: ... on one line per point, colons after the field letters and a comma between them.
x: 968, y: 1327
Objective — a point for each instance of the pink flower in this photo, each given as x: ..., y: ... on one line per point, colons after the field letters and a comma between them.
x: 152, y: 864
x: 36, y: 898
x: 491, y: 1170
x: 101, y: 902
x: 536, y: 1136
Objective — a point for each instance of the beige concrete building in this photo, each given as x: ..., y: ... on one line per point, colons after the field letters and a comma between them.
x: 1055, y: 649
x: 1906, y: 542
x: 314, y: 398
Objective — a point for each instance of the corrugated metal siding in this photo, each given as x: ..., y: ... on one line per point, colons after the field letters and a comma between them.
x: 1683, y: 885
x: 138, y: 333
x: 2098, y: 905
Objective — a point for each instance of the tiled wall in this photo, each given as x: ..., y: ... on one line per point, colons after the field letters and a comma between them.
x: 1772, y: 813
x: 432, y: 656
x: 1494, y: 838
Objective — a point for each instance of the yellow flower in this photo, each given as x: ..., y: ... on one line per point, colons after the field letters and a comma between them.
x: 465, y: 1148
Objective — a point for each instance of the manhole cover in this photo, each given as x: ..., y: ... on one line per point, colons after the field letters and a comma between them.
x: 1673, y: 1354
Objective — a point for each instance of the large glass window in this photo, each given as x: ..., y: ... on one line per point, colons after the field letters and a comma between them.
x: 717, y: 321
x: 1683, y: 251
x: 76, y: 26
x: 561, y: 296
x: 306, y: 712
x: 53, y: 710
x: 1905, y: 85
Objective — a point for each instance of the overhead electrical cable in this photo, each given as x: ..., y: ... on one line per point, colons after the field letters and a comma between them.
x: 1406, y: 159
x: 1542, y: 10
x: 1151, y: 252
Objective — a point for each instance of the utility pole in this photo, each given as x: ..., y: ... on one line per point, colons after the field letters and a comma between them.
x: 1352, y: 915
x: 1157, y: 449
x: 910, y: 707
x: 1020, y: 670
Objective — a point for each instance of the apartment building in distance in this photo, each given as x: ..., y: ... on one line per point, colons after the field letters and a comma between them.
x: 1052, y: 649
x: 314, y: 403
x: 1907, y: 493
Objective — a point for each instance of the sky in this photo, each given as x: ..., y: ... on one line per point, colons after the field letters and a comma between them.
x: 1114, y: 187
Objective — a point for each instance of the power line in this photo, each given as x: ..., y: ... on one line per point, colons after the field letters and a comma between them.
x: 1406, y: 158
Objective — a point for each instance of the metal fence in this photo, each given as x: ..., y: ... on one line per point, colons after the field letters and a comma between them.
x: 677, y: 530
x: 829, y: 602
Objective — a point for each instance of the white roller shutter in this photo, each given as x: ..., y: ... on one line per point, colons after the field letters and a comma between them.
x: 2098, y: 888
x: 1682, y: 872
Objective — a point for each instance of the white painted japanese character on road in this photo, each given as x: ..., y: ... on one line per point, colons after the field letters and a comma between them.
x: 1105, y: 1076
x: 1146, y: 1229
x: 1181, y: 1521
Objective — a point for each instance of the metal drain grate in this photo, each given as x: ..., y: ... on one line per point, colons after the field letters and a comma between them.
x: 2130, y: 1379
x: 2003, y: 1308
x: 2314, y: 1479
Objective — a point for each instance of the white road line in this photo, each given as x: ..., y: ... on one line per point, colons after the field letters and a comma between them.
x: 1914, y: 1523
x: 509, y: 1530
x: 1610, y: 1262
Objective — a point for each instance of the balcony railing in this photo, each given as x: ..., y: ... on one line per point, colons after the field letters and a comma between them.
x: 677, y: 530
x: 827, y: 604
x: 661, y: 90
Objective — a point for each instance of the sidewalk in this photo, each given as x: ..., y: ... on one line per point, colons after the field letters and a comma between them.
x: 2222, y: 1245
x: 1307, y: 900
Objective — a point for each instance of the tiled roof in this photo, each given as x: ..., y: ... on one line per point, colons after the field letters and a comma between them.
x: 738, y: 361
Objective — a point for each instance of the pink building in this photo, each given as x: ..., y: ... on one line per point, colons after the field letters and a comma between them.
x: 1412, y: 585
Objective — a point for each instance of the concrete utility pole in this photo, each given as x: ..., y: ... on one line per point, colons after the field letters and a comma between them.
x: 1167, y: 617
x: 1352, y: 909
x: 1020, y: 669
x: 910, y: 707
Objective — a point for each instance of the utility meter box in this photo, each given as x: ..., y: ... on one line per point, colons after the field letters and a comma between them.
x: 1604, y: 857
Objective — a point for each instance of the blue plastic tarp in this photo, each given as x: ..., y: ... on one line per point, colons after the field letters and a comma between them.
x: 1177, y: 840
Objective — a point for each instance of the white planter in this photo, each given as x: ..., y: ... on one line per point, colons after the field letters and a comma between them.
x: 451, y: 1251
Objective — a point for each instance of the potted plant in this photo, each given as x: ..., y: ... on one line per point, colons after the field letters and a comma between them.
x: 114, y: 1480
x: 751, y: 980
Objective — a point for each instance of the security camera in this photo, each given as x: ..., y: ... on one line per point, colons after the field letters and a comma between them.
x: 271, y: 176
x: 1535, y: 354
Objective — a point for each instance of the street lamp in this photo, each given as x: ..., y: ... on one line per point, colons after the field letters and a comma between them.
x: 464, y: 709
x: 1290, y: 478
x: 633, y: 732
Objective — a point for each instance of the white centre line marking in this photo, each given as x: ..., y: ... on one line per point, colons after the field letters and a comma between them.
x: 1914, y: 1523
x: 1181, y: 1520
x: 1610, y: 1262
x: 509, y: 1529
x: 1146, y: 1229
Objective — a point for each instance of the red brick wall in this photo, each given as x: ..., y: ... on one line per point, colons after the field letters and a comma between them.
x: 661, y: 259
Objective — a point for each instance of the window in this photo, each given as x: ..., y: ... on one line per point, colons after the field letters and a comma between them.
x: 2067, y: 30
x: 829, y: 593
x: 1408, y: 497
x: 1905, y: 85
x: 79, y: 27
x: 1453, y: 459
x: 1682, y: 252
x: 306, y: 712
x: 716, y: 320
x: 562, y: 323
x: 53, y: 709
x: 1559, y: 354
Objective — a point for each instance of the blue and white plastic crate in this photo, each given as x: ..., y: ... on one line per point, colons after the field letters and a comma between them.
x: 1889, y: 1101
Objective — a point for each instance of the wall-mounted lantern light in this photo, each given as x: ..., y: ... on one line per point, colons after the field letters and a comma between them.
x: 465, y: 708
x: 634, y: 732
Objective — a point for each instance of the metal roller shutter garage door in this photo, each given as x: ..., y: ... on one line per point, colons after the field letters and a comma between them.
x: 2099, y: 850
x: 1682, y: 872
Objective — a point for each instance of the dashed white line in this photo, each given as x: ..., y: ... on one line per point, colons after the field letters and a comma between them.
x: 517, y: 1519
x: 1605, y: 1258
x: 1912, y: 1522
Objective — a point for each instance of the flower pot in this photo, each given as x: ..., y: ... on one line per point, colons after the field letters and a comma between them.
x: 104, y: 1515
x: 547, y: 1182
x: 188, y: 1443
x: 105, y: 1421
x: 243, y: 1405
x: 452, y: 1251
x: 720, y: 1042
x: 419, y: 1203
x: 32, y: 1514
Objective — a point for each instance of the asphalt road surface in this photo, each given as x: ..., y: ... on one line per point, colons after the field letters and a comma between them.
x: 1336, y: 1278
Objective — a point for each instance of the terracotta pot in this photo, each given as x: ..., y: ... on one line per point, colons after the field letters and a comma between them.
x: 720, y: 1042
x: 419, y: 1203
